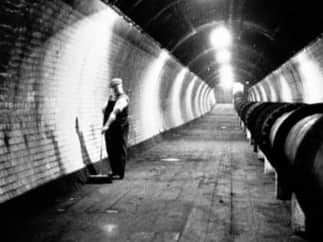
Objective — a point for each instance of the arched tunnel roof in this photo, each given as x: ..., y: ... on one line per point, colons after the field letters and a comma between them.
x: 266, y: 33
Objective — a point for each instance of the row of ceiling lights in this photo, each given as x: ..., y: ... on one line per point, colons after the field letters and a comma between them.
x: 221, y: 40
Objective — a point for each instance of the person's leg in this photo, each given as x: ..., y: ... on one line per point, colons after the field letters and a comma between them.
x: 120, y: 138
x: 111, y: 151
x: 123, y: 150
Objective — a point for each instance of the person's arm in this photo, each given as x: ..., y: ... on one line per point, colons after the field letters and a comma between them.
x: 120, y: 105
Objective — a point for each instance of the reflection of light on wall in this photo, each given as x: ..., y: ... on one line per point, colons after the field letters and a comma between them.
x: 83, y: 59
x: 253, y: 96
x: 197, y: 99
x: 286, y: 92
x: 263, y: 93
x: 250, y: 96
x: 257, y: 94
x: 207, y: 94
x: 202, y: 98
x: 272, y: 93
x: 189, y: 98
x: 95, y: 67
x: 312, y: 78
x: 151, y: 115
x: 175, y: 97
x: 212, y: 99
x: 206, y: 99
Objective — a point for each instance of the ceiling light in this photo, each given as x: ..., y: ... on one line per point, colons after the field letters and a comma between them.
x: 221, y: 37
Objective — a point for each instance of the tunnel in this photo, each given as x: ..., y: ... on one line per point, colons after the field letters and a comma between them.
x: 225, y: 117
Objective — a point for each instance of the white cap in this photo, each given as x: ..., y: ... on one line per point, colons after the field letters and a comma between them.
x: 115, y: 82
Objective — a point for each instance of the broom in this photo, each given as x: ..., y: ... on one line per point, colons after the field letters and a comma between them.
x: 99, y: 178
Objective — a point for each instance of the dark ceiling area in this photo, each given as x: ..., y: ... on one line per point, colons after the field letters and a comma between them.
x: 265, y: 33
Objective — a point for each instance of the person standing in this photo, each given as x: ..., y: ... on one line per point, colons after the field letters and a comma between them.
x: 116, y: 128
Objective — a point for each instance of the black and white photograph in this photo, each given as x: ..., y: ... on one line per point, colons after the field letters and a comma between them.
x: 161, y: 121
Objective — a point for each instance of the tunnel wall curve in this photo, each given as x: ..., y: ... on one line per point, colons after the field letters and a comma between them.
x: 58, y: 59
x: 300, y: 79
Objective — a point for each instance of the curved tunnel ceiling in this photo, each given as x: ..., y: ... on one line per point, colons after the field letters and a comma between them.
x: 266, y: 33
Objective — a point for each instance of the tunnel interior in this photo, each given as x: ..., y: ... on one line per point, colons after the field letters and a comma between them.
x: 57, y: 61
x: 58, y: 57
x: 265, y: 34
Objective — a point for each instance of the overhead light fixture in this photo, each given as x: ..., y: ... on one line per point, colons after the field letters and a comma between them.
x: 221, y: 37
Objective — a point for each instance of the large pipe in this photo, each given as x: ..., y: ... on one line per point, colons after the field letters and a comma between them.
x: 304, y: 152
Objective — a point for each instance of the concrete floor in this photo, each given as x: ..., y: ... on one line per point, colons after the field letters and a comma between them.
x: 202, y: 183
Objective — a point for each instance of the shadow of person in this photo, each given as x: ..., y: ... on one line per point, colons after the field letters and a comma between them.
x: 85, y: 154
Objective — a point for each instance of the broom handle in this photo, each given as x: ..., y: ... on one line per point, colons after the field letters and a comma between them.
x: 101, y: 147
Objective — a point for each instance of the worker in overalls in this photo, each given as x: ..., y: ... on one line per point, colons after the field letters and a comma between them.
x: 116, y: 128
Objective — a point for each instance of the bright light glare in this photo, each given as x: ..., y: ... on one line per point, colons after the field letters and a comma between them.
x: 311, y: 75
x: 223, y: 56
x: 286, y: 92
x: 251, y: 96
x: 197, y: 100
x: 272, y: 93
x: 212, y: 99
x: 257, y: 94
x: 202, y: 98
x: 226, y: 70
x: 226, y: 76
x: 227, y: 83
x: 83, y: 49
x: 263, y: 94
x: 221, y: 37
x: 237, y: 87
x: 188, y: 98
x: 175, y: 97
x: 150, y: 103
